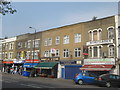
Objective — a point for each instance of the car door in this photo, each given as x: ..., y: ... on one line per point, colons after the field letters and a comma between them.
x: 87, y: 78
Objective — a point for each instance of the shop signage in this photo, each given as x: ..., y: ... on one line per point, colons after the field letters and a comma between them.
x: 100, y: 42
x: 67, y: 62
x: 107, y: 61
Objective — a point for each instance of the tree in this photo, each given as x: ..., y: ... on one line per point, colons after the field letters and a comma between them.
x: 5, y: 7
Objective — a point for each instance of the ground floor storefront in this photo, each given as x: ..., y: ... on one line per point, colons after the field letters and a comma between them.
x: 99, y: 66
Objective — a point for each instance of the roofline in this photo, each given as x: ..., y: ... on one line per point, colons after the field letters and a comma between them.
x: 76, y: 23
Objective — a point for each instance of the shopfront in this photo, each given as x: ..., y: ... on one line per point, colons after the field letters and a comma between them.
x: 99, y: 66
x: 48, y: 69
x: 68, y: 69
x: 28, y: 66
x: 7, y: 64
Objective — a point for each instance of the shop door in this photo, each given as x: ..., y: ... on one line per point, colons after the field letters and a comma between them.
x: 63, y: 73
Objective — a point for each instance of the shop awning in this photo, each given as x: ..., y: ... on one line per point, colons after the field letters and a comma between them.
x: 46, y: 65
x: 7, y: 62
x: 97, y: 67
x: 30, y: 65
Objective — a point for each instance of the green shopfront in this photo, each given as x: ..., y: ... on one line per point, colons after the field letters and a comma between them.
x: 99, y: 66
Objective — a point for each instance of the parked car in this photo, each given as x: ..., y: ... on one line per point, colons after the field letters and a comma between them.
x: 83, y: 78
x: 109, y: 80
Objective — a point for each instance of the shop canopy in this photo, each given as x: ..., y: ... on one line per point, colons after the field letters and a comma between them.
x: 46, y: 65
x: 97, y: 67
x: 30, y: 65
x: 8, y: 62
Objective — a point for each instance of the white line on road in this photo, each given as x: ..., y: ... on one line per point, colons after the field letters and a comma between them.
x: 30, y: 86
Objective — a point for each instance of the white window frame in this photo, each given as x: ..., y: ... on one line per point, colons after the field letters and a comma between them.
x: 78, y: 52
x: 36, y: 43
x: 29, y: 44
x: 111, y: 50
x: 57, y: 53
x: 77, y: 37
x: 112, y: 33
x: 57, y: 40
x: 66, y: 39
x: 45, y: 42
x: 49, y: 41
x: 66, y: 53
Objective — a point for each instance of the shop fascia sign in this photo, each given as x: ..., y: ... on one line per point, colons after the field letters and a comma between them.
x: 105, y: 61
x: 100, y: 42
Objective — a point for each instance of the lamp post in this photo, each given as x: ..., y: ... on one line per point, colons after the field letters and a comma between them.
x: 33, y: 44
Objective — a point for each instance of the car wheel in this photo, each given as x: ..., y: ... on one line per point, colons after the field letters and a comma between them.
x: 108, y: 84
x: 80, y: 82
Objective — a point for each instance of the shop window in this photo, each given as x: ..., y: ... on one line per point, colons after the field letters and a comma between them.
x: 110, y: 33
x: 66, y: 53
x: 111, y: 50
x: 66, y: 39
x: 57, y: 40
x: 77, y: 52
x: 77, y: 38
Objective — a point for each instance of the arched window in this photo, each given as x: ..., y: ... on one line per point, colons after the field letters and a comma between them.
x: 110, y: 32
x: 111, y: 50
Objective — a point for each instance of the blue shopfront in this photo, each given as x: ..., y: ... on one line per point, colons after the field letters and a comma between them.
x: 28, y: 67
x: 70, y: 69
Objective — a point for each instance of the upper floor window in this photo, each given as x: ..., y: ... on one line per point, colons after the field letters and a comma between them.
x: 45, y: 42
x: 90, y: 36
x: 57, y: 40
x: 49, y: 41
x: 57, y: 53
x: 111, y: 50
x: 77, y: 38
x: 111, y: 33
x: 46, y: 53
x: 95, y: 51
x: 66, y: 39
x: 36, y: 43
x: 19, y: 44
x: 119, y: 32
x: 29, y: 43
x: 95, y: 35
x: 25, y: 44
x: 11, y: 45
x: 66, y: 53
x: 77, y: 52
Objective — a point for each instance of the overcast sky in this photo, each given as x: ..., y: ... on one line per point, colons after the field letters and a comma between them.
x: 47, y: 15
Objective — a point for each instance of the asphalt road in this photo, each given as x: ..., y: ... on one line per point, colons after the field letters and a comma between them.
x: 18, y: 81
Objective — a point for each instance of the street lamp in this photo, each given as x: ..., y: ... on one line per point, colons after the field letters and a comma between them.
x: 34, y: 44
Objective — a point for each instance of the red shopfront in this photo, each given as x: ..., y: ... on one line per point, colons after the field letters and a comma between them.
x: 99, y: 66
x: 7, y: 65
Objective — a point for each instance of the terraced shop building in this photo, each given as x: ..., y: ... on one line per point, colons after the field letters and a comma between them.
x: 95, y: 44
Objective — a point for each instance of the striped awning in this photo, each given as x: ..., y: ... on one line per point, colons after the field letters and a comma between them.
x: 97, y: 67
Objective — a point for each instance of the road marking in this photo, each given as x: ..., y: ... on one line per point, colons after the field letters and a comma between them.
x: 43, y: 86
x: 30, y: 86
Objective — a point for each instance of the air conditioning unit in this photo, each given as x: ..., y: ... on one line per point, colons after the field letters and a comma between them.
x: 104, y: 55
